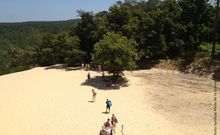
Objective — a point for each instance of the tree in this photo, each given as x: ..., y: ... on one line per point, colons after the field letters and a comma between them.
x: 194, y: 16
x: 116, y: 53
x: 215, y: 29
x: 118, y: 16
x: 86, y: 30
x: 60, y: 49
x: 20, y: 59
x: 73, y: 55
x: 46, y: 50
x: 101, y: 24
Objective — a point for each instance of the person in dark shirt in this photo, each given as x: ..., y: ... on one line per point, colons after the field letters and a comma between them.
x: 108, y: 105
x: 88, y: 76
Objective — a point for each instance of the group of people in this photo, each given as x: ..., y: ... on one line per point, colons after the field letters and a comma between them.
x: 99, y: 69
x: 109, y: 126
x: 85, y: 66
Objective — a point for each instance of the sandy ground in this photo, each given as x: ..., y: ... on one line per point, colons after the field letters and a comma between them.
x: 57, y: 102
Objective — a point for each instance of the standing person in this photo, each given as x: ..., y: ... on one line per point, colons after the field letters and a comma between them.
x: 82, y: 65
x: 108, y: 105
x: 88, y: 76
x: 99, y: 68
x: 114, y: 120
x: 108, y: 123
x: 93, y: 95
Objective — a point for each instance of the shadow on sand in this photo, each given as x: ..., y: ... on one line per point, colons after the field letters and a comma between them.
x: 106, y: 83
x: 105, y: 112
x: 91, y: 101
x: 63, y: 67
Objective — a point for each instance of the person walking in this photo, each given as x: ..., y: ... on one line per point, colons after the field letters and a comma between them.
x: 114, y: 120
x: 88, y: 76
x: 93, y: 95
x: 108, y: 105
x: 108, y: 123
x: 106, y: 131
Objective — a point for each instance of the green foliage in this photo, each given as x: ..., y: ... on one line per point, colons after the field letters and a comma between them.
x: 19, y: 43
x: 86, y: 30
x: 154, y: 29
x: 60, y: 49
x: 116, y: 53
x: 29, y: 34
x: 196, y: 16
x: 46, y: 51
x: 16, y: 59
x: 74, y: 57
x: 207, y: 47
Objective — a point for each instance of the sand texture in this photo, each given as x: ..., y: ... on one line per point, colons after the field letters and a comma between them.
x: 153, y: 102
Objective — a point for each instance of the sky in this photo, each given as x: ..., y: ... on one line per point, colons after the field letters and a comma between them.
x: 48, y: 10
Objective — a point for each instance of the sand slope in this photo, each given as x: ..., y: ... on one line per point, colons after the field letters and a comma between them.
x: 55, y: 102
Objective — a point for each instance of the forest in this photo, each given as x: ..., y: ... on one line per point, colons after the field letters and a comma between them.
x: 130, y: 31
x: 20, y: 38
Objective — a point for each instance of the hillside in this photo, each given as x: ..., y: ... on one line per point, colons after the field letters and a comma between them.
x: 26, y: 34
x: 17, y: 37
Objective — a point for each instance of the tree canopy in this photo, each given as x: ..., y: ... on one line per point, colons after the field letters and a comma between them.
x: 157, y: 29
x: 116, y: 53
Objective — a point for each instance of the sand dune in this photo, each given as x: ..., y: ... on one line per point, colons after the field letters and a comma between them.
x: 56, y: 102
